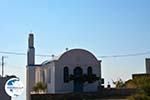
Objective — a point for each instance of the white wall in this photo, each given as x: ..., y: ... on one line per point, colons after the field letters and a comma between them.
x: 72, y: 60
x: 50, y: 77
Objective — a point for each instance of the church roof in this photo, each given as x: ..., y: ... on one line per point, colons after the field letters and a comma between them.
x: 55, y: 58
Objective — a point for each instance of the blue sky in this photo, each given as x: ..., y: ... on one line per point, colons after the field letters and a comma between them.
x: 104, y: 27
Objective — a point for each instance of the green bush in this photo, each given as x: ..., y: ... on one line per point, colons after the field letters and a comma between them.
x: 40, y: 86
x: 139, y: 96
x: 143, y: 86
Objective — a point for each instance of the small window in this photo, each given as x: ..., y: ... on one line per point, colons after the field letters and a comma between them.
x: 102, y: 81
x: 66, y: 74
x: 43, y: 76
x: 89, y: 71
x: 49, y: 76
x: 45, y: 79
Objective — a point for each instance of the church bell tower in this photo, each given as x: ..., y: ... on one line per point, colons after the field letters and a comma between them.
x: 30, y: 68
x: 31, y: 50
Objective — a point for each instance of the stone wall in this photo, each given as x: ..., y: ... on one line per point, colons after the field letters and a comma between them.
x: 105, y: 93
x: 117, y: 92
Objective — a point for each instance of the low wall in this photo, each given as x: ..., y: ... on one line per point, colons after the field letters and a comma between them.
x: 105, y: 93
x: 117, y: 92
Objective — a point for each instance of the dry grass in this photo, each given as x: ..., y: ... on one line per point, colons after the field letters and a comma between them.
x: 110, y: 99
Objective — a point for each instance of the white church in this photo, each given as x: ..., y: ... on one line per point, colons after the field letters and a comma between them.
x: 56, y: 71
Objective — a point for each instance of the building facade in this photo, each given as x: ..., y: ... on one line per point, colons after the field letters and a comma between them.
x: 57, y: 71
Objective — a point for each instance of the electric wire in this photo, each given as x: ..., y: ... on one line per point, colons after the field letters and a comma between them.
x: 125, y: 55
x: 109, y: 56
x: 22, y: 54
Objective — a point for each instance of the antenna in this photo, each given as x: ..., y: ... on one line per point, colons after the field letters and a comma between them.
x: 31, y: 31
x: 3, y: 57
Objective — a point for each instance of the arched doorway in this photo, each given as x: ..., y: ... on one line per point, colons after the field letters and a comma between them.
x: 78, y: 85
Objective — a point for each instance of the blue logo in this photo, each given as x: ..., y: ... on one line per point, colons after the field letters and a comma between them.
x: 14, y: 87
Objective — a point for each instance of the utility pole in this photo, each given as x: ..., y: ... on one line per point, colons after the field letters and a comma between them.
x: 3, y: 65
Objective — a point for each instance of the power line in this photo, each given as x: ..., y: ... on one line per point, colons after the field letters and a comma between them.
x: 22, y: 54
x: 14, y: 53
x: 109, y: 56
x: 125, y: 55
